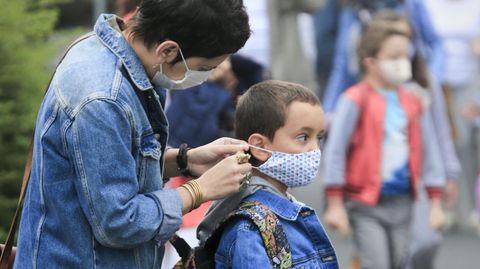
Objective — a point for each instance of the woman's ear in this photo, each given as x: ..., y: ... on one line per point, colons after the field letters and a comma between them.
x: 260, y: 141
x: 166, y: 52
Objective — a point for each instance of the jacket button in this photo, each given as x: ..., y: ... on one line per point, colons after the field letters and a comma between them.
x: 305, y: 213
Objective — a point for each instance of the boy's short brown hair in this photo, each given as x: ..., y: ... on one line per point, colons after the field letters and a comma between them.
x: 372, y: 40
x: 263, y: 107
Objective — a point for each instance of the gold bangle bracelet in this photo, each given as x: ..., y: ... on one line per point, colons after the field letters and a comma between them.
x: 195, y: 205
x: 197, y: 191
x: 192, y: 195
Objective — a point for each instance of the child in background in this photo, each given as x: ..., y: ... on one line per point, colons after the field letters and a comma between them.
x: 379, y: 142
x: 283, y: 123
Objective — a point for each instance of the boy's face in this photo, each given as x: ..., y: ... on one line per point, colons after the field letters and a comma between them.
x: 394, y: 47
x: 304, y: 127
x: 392, y: 65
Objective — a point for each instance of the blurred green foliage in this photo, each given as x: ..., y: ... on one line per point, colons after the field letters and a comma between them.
x: 29, y: 48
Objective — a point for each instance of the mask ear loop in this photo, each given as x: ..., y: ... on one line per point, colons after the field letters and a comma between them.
x: 183, y: 59
x: 259, y: 148
x: 160, y: 66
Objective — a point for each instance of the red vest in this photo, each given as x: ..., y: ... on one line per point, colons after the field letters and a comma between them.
x: 363, y: 163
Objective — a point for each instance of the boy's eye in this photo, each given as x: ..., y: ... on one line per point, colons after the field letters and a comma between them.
x: 302, y: 137
x: 321, y: 140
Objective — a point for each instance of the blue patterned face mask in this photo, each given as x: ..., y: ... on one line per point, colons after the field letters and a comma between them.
x: 292, y: 169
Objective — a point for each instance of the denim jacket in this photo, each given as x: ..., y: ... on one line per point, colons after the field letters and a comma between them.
x: 95, y: 197
x: 241, y: 245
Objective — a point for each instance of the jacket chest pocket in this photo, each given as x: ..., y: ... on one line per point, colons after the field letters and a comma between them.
x: 320, y: 260
x: 329, y: 261
x: 149, y: 163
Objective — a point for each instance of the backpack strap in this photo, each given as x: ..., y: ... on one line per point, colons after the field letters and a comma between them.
x: 270, y: 228
x: 271, y: 231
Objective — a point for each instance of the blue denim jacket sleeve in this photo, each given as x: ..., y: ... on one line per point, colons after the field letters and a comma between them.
x: 99, y: 142
x: 423, y: 26
x: 340, y: 78
x: 325, y: 21
x: 241, y: 246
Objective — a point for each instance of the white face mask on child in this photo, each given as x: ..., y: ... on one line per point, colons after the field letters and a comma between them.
x: 292, y: 169
x: 396, y: 71
x: 192, y: 78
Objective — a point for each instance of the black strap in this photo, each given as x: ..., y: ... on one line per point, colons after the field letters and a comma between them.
x: 153, y: 109
x: 270, y: 228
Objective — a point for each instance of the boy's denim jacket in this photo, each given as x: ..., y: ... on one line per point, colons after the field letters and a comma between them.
x: 241, y: 245
x: 96, y: 197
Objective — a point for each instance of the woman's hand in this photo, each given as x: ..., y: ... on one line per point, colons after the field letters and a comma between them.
x: 205, y: 157
x: 225, y: 178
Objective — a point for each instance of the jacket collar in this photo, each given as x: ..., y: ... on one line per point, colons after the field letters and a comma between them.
x: 281, y: 206
x: 107, y: 29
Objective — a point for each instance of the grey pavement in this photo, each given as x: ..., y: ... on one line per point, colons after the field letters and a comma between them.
x: 460, y: 250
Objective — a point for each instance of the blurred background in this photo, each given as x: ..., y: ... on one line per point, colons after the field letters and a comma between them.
x: 295, y: 40
x: 33, y: 35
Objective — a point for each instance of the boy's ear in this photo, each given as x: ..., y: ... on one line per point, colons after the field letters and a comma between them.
x: 368, y: 63
x: 166, y: 52
x: 260, y: 141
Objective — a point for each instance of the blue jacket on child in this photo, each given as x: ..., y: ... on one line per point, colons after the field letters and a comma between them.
x: 241, y: 245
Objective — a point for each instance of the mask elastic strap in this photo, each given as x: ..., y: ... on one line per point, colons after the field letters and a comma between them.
x: 259, y: 148
x: 160, y: 67
x: 183, y: 58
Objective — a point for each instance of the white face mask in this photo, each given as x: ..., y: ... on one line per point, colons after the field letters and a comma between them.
x: 292, y: 169
x: 396, y: 71
x: 192, y: 78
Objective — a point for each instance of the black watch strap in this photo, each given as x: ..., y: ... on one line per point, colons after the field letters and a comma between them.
x: 182, y: 161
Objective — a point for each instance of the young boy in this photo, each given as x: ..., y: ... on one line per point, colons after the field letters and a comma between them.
x: 283, y: 123
x: 379, y: 142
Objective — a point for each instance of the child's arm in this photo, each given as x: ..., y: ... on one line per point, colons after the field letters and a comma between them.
x: 241, y: 246
x: 336, y: 216
x: 437, y: 216
x: 339, y: 137
x: 433, y: 174
x: 442, y: 130
x: 471, y: 112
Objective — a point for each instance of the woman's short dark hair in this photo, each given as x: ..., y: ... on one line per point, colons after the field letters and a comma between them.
x: 263, y: 107
x: 202, y: 28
